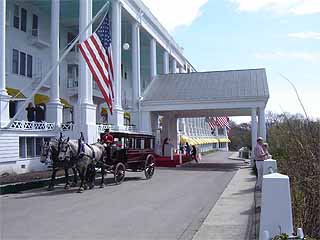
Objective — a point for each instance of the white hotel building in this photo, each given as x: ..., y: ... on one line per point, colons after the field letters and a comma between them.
x: 33, y: 36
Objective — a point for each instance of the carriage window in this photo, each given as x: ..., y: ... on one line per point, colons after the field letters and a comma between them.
x: 138, y: 143
x: 130, y: 143
x: 147, y: 143
x: 142, y: 143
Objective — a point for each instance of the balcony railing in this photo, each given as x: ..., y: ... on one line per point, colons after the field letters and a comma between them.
x: 102, y: 127
x: 67, y: 126
x: 33, y: 126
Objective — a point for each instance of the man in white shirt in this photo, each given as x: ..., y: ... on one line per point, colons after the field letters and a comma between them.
x: 259, y: 156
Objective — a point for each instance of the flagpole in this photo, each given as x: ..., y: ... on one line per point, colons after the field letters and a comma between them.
x: 57, y: 64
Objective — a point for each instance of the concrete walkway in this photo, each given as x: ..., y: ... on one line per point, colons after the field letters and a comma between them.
x: 232, y: 217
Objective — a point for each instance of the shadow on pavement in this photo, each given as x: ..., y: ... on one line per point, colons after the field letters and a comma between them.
x: 225, y: 167
x: 59, y: 189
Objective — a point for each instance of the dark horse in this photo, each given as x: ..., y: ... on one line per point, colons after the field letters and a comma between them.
x: 50, y: 151
x: 93, y: 156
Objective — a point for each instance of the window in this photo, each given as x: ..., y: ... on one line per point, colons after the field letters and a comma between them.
x: 147, y: 143
x: 34, y: 25
x: 12, y: 108
x: 22, y: 63
x: 70, y: 38
x: 22, y: 147
x: 15, y: 61
x: 73, y: 75
x: 138, y: 143
x: 38, y: 146
x: 30, y: 147
x: 23, y: 19
x: 16, y: 18
x: 29, y: 66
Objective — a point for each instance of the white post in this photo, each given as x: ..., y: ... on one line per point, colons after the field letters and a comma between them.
x: 153, y: 57
x: 253, y: 128
x: 262, y: 123
x: 276, y: 212
x: 4, y: 98
x: 117, y: 116
x: 87, y: 112
x: 135, y: 71
x: 165, y: 62
x: 54, y: 107
x: 174, y: 66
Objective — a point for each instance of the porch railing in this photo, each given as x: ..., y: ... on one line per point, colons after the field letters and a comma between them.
x: 33, y: 126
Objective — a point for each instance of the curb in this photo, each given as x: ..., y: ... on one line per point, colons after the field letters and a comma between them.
x: 22, y: 186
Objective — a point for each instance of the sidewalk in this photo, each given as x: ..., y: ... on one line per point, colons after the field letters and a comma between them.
x: 233, y: 215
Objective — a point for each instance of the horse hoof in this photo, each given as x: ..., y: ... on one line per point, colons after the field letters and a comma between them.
x: 66, y: 187
x: 102, y: 186
x: 80, y: 190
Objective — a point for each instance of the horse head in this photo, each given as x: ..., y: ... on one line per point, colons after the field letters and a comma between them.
x: 45, y: 151
x: 65, y: 150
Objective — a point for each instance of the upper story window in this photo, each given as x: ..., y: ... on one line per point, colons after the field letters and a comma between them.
x: 35, y: 25
x: 15, y: 61
x: 22, y: 63
x: 70, y: 38
x: 16, y: 17
x: 23, y: 20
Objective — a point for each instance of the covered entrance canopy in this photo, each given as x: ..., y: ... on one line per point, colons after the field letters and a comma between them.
x: 216, y: 93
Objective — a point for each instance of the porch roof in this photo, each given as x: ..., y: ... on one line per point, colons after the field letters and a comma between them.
x: 232, y: 89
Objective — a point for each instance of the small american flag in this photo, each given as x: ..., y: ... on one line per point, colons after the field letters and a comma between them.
x: 97, y: 52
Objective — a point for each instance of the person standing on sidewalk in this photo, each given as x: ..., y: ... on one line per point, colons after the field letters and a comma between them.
x: 259, y: 156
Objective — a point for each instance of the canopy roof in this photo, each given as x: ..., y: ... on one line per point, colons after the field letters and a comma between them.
x: 232, y: 92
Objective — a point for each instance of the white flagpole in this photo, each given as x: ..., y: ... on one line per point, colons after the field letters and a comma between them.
x: 56, y: 64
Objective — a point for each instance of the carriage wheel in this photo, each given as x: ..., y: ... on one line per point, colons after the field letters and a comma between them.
x: 149, y: 167
x: 119, y: 173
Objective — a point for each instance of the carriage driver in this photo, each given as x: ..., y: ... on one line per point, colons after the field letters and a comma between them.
x: 107, y: 140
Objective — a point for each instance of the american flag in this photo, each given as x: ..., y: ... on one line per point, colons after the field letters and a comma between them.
x: 97, y: 52
x: 218, y: 122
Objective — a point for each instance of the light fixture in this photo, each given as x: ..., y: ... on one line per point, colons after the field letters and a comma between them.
x: 126, y: 46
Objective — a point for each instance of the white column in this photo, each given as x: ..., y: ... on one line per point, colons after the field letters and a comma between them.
x: 153, y: 57
x: 54, y: 107
x: 165, y: 62
x: 117, y: 117
x: 253, y: 127
x: 135, y: 72
x: 86, y: 110
x: 174, y: 66
x: 4, y: 98
x: 262, y: 123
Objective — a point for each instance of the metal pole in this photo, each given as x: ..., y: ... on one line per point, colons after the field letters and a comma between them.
x: 56, y: 64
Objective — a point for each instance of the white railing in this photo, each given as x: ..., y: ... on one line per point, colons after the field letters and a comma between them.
x: 67, y: 126
x: 102, y: 127
x: 33, y: 126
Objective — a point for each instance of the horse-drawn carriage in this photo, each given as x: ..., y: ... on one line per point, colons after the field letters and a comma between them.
x: 129, y: 152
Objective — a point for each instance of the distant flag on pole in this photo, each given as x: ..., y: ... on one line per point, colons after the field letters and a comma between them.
x: 97, y: 52
x: 223, y: 122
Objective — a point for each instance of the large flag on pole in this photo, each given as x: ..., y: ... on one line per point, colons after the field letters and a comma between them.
x: 223, y: 122
x: 97, y: 52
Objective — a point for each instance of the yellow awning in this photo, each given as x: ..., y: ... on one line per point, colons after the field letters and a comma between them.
x: 127, y: 115
x: 41, y: 99
x: 15, y: 93
x: 104, y: 111
x: 183, y: 139
x: 65, y: 103
x: 224, y: 140
x: 213, y: 140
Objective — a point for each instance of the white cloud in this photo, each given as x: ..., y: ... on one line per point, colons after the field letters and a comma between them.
x: 175, y: 13
x: 304, y: 56
x: 297, y: 7
x: 305, y: 35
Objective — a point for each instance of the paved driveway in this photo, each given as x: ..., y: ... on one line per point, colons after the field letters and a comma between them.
x: 172, y: 205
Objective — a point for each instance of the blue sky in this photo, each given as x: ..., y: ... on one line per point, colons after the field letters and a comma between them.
x: 282, y: 36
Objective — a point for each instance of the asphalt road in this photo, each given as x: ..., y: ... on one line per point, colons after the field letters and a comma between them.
x: 172, y: 205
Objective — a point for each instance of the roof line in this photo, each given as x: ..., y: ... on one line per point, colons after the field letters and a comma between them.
x: 231, y: 70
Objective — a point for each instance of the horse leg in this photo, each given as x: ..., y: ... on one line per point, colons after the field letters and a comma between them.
x: 102, y: 175
x: 66, y: 172
x: 75, y: 179
x: 82, y: 176
x: 53, y: 177
x: 91, y: 172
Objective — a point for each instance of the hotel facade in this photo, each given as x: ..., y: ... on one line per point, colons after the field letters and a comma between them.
x: 34, y: 34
